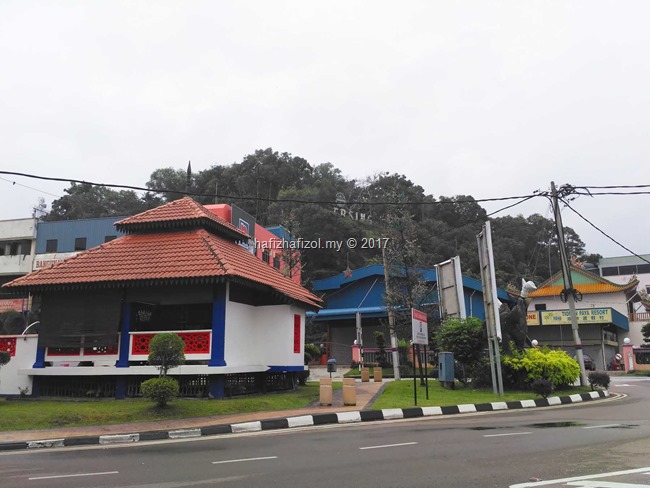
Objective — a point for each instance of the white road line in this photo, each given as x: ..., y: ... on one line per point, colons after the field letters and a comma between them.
x: 244, y: 460
x: 503, y: 435
x: 601, y: 426
x: 71, y: 475
x: 581, y: 478
x: 389, y: 445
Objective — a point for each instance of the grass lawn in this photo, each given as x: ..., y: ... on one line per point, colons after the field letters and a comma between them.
x: 399, y: 394
x: 47, y: 414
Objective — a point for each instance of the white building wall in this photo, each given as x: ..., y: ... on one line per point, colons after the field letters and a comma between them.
x: 276, y: 334
x: 14, y: 230
x: 10, y: 379
x: 242, y: 340
x: 262, y: 335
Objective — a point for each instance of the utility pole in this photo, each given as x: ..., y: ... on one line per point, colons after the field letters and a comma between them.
x: 391, y: 322
x: 568, y: 294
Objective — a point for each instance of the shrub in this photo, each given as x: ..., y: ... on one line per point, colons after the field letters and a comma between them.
x: 543, y: 363
x: 166, y: 351
x: 312, y: 353
x: 542, y: 387
x: 5, y: 356
x: 598, y: 379
x: 160, y: 390
x: 303, y: 376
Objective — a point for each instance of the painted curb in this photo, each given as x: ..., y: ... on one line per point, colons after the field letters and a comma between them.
x: 306, y: 421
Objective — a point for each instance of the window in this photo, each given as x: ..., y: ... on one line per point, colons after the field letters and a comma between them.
x: 266, y: 257
x: 80, y: 244
x: 51, y: 245
x: 276, y: 262
x: 643, y: 268
x: 613, y: 271
x: 109, y: 238
x: 540, y: 306
x: 647, y: 288
x: 627, y: 270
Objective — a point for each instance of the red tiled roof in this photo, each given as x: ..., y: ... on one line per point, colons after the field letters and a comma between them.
x: 185, y: 255
x: 178, y: 211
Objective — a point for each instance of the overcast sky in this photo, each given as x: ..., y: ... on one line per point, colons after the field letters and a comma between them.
x: 489, y: 99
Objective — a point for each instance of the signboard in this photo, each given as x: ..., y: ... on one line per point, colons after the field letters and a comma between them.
x: 563, y: 317
x: 297, y: 340
x: 419, y: 326
x: 450, y: 288
x: 532, y: 319
x: 17, y: 304
x: 246, y: 223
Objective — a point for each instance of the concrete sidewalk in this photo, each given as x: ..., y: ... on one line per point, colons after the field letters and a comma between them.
x: 366, y: 394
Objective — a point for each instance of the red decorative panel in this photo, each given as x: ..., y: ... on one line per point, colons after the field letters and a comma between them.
x: 296, y: 334
x: 140, y: 343
x: 64, y: 351
x: 195, y: 342
x: 8, y: 344
x: 100, y: 351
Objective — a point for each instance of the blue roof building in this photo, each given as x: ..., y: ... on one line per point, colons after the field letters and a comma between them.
x: 363, y: 290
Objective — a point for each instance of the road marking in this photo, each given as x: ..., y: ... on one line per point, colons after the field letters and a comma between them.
x: 71, y: 475
x: 601, y: 426
x: 581, y: 478
x: 244, y: 460
x: 389, y: 445
x: 503, y: 435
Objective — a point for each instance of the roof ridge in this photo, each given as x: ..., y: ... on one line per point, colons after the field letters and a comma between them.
x: 205, y: 238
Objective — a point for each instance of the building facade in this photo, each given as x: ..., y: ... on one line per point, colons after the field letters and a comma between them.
x: 177, y: 268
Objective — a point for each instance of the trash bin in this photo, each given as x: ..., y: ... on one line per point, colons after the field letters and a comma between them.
x: 349, y: 392
x: 331, y: 365
x: 325, y: 391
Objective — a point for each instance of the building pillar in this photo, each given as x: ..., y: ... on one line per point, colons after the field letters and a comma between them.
x: 120, y: 388
x: 125, y: 327
x: 40, y: 357
x: 628, y: 357
x: 217, y: 349
x: 217, y: 386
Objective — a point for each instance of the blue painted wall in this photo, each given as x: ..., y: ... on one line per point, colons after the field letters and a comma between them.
x: 66, y: 231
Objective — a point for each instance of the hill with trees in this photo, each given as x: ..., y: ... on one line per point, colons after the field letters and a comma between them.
x: 318, y: 202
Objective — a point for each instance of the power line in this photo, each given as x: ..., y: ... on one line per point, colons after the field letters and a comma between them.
x: 30, y: 188
x: 602, y: 232
x: 271, y: 200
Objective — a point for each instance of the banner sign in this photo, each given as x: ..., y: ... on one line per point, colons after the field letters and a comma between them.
x: 563, y: 317
x: 419, y: 326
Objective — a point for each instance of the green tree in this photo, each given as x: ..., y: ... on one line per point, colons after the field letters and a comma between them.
x: 85, y: 201
x: 645, y: 330
x: 11, y: 322
x: 166, y: 352
x: 465, y: 338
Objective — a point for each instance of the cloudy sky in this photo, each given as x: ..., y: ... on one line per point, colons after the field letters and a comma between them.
x: 489, y: 99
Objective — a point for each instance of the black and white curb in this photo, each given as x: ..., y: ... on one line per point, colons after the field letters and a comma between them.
x: 305, y: 421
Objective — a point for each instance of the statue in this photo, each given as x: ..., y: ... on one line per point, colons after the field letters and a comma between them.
x: 513, y: 320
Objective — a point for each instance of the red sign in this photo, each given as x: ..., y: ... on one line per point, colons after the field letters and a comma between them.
x: 296, y: 334
x: 13, y: 304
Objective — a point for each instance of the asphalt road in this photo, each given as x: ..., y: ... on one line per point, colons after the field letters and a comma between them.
x: 481, y: 450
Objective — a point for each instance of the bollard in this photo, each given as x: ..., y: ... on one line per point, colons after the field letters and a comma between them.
x: 349, y: 391
x: 325, y: 391
x: 365, y: 375
x: 377, y: 374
